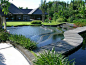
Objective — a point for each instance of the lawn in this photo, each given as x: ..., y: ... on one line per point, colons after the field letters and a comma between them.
x: 17, y: 23
x: 20, y: 23
x: 52, y: 23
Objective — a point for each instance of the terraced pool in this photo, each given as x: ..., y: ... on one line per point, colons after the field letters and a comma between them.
x: 39, y: 34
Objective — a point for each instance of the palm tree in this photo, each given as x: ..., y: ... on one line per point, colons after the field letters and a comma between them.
x: 49, y: 5
x: 43, y: 8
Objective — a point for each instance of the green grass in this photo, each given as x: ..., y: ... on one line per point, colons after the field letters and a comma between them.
x: 52, y: 23
x: 21, y: 23
x: 18, y: 23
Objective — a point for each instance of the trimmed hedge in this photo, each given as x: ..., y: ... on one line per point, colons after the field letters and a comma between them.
x: 60, y: 20
x: 36, y: 22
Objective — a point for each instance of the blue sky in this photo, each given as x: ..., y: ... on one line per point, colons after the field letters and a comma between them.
x: 31, y: 4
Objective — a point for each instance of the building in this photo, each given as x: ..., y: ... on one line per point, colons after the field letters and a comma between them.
x: 16, y: 14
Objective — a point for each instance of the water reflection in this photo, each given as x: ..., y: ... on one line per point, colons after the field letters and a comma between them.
x: 84, y: 41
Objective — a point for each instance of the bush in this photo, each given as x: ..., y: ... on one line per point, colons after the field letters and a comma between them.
x: 46, y: 20
x: 36, y: 22
x: 3, y: 35
x: 55, y: 16
x: 60, y: 20
x: 23, y: 41
x: 70, y: 19
x: 80, y: 22
x: 78, y: 16
x: 51, y: 58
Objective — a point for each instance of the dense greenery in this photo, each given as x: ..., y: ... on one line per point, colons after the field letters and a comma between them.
x: 80, y: 22
x: 84, y: 40
x: 3, y: 35
x: 51, y: 58
x: 62, y: 11
x: 23, y: 41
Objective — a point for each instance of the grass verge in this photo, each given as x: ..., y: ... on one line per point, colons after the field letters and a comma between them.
x: 22, y: 23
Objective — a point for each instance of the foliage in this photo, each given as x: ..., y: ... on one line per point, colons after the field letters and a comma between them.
x: 36, y: 22
x: 70, y: 19
x: 70, y: 12
x: 4, y: 5
x: 84, y: 40
x: 51, y: 58
x: 80, y: 22
x: 3, y: 35
x: 23, y: 41
x: 55, y: 16
x: 46, y: 20
x: 43, y: 9
x: 60, y: 20
x: 20, y: 7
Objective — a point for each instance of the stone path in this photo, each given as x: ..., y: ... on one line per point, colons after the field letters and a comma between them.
x: 11, y: 56
x: 71, y: 41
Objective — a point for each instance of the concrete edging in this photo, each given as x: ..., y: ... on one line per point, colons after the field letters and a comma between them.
x: 73, y: 38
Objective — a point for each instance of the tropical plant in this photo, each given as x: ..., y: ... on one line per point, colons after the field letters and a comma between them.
x: 4, y: 5
x: 23, y: 41
x: 51, y: 58
x: 43, y: 8
x: 3, y: 35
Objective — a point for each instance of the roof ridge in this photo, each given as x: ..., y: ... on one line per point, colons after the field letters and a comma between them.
x: 17, y: 8
x: 33, y: 11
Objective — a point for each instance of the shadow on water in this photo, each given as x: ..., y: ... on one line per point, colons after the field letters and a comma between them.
x: 2, y: 59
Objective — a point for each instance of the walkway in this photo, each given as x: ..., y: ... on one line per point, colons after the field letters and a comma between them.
x: 11, y: 56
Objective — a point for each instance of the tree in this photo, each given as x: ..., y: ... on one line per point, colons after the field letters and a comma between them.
x: 43, y: 8
x: 20, y: 7
x: 26, y: 7
x: 4, y: 5
x: 49, y: 5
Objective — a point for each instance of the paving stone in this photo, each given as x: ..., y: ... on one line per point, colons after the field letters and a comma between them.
x: 74, y: 39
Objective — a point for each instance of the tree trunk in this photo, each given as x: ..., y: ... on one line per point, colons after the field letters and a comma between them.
x: 48, y: 14
x: 4, y: 21
x: 0, y: 22
x: 43, y: 17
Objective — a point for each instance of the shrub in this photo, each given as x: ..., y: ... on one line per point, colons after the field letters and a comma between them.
x: 36, y: 22
x: 60, y: 20
x: 70, y: 19
x: 80, y: 22
x: 51, y: 58
x: 46, y: 20
x: 3, y: 35
x: 23, y: 41
x: 55, y: 16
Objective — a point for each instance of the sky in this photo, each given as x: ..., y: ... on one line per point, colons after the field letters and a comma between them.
x: 31, y: 4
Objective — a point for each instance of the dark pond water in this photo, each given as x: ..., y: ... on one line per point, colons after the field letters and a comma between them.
x: 39, y: 34
x: 80, y: 55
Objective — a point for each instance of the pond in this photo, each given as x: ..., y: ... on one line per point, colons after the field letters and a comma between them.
x: 41, y: 35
